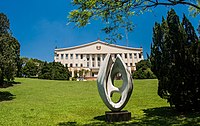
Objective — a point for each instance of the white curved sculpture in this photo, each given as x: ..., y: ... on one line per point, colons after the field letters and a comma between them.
x: 106, y: 88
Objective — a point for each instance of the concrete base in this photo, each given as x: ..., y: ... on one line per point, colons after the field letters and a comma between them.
x: 117, y: 116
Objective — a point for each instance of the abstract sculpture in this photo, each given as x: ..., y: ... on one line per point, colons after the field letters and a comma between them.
x: 105, y: 81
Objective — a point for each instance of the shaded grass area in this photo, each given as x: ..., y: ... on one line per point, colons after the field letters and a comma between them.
x: 6, y: 96
x: 66, y: 103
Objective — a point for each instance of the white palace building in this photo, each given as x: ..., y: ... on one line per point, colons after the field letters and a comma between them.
x: 85, y: 60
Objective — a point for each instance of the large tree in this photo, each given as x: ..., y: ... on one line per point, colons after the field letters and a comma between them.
x: 175, y: 55
x: 116, y: 14
x: 9, y: 51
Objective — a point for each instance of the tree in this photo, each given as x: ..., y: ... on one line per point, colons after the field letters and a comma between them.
x: 175, y: 55
x: 117, y: 14
x: 30, y: 69
x: 143, y: 70
x: 9, y: 51
x: 54, y: 71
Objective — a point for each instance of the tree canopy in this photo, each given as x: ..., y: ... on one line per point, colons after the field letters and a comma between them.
x: 9, y: 51
x: 116, y: 14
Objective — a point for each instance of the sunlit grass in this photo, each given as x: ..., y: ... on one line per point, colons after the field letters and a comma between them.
x: 46, y: 102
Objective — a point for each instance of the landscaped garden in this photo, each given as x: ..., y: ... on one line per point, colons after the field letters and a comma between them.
x: 62, y: 103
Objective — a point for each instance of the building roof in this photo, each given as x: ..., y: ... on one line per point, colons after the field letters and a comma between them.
x: 95, y: 42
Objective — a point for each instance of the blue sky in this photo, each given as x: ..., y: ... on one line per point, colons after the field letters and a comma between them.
x: 40, y: 26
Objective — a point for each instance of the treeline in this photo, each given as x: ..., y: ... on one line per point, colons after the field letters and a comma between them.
x: 43, y: 70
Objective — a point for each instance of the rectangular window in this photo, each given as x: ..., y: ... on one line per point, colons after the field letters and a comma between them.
x: 92, y: 64
x: 135, y: 55
x: 130, y: 55
x: 88, y: 57
x: 81, y: 56
x: 98, y: 64
x: 104, y: 55
x: 125, y: 55
x: 115, y: 55
x: 140, y: 55
x: 88, y: 65
x: 71, y: 56
x: 62, y: 55
x: 93, y: 57
x: 66, y: 56
x: 76, y: 56
x: 57, y: 56
x: 98, y: 57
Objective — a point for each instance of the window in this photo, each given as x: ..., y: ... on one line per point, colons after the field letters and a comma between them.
x: 131, y: 64
x: 92, y: 64
x: 115, y: 55
x: 98, y: 64
x: 57, y: 56
x: 76, y: 65
x: 126, y: 64
x: 62, y: 55
x: 66, y: 56
x: 66, y: 65
x: 71, y: 65
x: 140, y: 55
x: 88, y: 57
x: 93, y: 57
x: 135, y: 55
x: 71, y: 56
x: 98, y: 57
x: 130, y: 55
x: 125, y: 55
x: 104, y: 55
x: 81, y: 65
x: 76, y: 56
x: 81, y: 56
x: 88, y: 65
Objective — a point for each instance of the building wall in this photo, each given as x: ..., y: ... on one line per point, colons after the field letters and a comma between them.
x: 86, y: 59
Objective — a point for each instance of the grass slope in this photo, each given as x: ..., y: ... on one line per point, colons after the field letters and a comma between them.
x: 64, y: 103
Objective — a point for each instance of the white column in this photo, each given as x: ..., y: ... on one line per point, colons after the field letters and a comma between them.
x: 90, y: 65
x: 96, y: 61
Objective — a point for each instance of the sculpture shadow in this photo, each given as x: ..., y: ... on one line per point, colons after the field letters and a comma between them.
x: 6, y: 96
x: 161, y: 116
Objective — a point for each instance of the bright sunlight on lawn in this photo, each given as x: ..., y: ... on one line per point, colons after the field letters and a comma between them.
x: 45, y: 102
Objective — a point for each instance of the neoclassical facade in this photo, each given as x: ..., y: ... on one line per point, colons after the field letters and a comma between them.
x: 85, y: 60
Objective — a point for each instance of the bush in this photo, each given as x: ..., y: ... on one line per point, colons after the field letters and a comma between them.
x: 143, y: 70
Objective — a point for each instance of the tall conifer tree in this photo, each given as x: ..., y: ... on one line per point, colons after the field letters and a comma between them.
x: 175, y: 61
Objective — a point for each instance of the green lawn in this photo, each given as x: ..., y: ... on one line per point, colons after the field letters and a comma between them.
x: 65, y: 103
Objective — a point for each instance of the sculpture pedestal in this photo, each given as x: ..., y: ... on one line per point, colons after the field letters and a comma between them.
x: 117, y: 116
